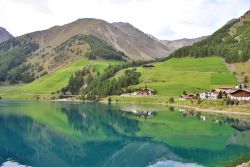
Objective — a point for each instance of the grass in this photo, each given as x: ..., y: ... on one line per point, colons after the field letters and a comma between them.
x: 172, y: 77
x: 169, y: 78
x: 56, y: 80
x: 242, y: 70
x: 51, y: 82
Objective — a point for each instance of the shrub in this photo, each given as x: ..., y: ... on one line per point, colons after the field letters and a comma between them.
x: 109, y: 100
x: 236, y: 102
x: 245, y: 80
x: 171, y: 100
x: 199, y: 101
x: 219, y: 95
x: 198, y: 115
x: 171, y: 108
x: 228, y: 101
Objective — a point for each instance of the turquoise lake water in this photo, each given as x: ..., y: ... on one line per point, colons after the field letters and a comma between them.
x: 92, y: 135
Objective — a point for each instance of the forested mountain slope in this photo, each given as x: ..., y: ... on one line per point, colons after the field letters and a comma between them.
x: 23, y: 60
x: 232, y: 42
x: 33, y: 55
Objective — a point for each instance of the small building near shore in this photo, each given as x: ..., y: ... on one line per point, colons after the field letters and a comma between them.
x: 145, y: 91
x: 148, y: 66
x: 240, y: 95
x: 188, y: 96
x: 141, y: 91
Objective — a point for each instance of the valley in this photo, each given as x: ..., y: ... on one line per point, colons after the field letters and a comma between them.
x: 167, y: 86
x: 113, y: 60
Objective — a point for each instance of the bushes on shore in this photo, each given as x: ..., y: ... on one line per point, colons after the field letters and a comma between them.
x: 229, y: 101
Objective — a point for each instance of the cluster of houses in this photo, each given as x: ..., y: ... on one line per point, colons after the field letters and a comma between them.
x: 235, y: 93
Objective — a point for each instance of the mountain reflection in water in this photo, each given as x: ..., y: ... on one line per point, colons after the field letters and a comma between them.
x: 63, y: 134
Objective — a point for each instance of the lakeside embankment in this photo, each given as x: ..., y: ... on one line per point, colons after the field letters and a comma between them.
x: 209, y: 106
x: 245, y: 164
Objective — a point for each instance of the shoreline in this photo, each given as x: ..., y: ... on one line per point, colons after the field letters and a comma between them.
x: 181, y: 106
x: 187, y: 107
x: 245, y: 164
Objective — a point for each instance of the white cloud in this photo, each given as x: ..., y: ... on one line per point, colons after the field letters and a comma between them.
x: 165, y: 19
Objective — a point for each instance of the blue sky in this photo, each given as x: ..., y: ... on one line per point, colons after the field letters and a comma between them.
x: 165, y: 19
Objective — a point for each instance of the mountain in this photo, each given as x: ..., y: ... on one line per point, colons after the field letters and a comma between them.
x: 4, y: 35
x: 179, y: 43
x: 33, y: 55
x: 172, y: 45
x: 142, y: 44
x: 122, y: 36
x: 232, y: 42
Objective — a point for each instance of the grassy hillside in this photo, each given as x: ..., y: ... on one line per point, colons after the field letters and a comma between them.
x: 56, y: 80
x: 169, y: 78
x: 23, y: 60
x: 53, y: 81
x: 231, y: 42
x: 242, y: 72
x: 172, y: 77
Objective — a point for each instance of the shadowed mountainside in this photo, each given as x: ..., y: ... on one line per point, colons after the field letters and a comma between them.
x: 4, y: 35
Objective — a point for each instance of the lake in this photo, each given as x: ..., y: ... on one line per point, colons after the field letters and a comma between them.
x: 45, y: 134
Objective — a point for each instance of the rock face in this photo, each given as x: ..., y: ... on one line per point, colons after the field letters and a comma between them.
x: 179, y: 43
x: 4, y: 35
x: 122, y: 36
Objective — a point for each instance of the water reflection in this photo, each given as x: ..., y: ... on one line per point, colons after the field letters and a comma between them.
x: 94, y: 118
x: 44, y: 134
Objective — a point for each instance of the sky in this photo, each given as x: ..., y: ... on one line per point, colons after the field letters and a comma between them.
x: 164, y: 19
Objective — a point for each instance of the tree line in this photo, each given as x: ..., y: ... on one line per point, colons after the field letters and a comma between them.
x: 90, y: 84
x: 233, y: 48
x: 12, y: 58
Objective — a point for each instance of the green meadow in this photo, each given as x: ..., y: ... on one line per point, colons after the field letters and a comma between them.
x: 169, y: 78
x: 172, y: 77
x: 51, y: 82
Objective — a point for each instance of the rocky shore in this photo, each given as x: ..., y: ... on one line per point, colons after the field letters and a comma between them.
x: 246, y: 164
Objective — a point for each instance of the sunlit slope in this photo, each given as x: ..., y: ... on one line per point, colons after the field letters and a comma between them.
x: 53, y: 81
x: 172, y: 77
x: 59, y: 79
